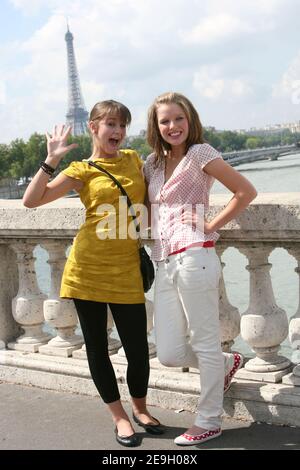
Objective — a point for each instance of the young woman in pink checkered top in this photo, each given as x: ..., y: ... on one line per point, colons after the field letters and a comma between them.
x: 180, y: 173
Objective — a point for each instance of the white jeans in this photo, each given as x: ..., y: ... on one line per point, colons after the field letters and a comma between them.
x: 187, y: 328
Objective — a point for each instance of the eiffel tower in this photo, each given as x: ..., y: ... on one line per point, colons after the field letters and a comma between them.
x: 77, y: 115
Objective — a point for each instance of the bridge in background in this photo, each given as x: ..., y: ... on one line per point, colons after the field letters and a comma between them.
x: 14, y: 189
x: 266, y: 153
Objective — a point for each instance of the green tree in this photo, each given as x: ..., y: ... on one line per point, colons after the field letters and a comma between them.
x: 140, y: 145
x: 16, y: 158
x: 212, y: 138
x: 144, y: 150
x: 253, y: 143
x: 232, y: 141
x: 4, y: 160
x: 35, y: 152
x: 84, y: 150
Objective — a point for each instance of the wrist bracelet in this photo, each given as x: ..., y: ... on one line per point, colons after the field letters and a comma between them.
x: 45, y: 171
x: 47, y: 168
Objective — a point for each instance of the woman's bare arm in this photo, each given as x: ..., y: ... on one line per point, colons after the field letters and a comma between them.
x: 41, y: 192
x: 244, y: 192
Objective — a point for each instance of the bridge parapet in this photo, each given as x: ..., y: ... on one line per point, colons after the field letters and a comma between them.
x: 271, y: 221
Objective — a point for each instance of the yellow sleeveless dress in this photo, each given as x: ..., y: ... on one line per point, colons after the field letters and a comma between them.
x: 103, y: 264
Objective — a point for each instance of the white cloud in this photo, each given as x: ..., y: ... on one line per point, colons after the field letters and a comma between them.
x: 32, y: 7
x: 210, y: 83
x: 2, y: 92
x: 288, y: 86
x: 50, y: 35
x: 216, y: 28
x: 240, y: 87
x: 133, y: 50
x: 211, y: 90
x: 94, y: 91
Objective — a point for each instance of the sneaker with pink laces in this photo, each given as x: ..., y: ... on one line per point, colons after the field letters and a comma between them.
x: 189, y: 440
x: 237, y: 364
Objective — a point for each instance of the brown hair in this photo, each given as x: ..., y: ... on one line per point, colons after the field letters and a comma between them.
x: 109, y: 108
x: 154, y: 137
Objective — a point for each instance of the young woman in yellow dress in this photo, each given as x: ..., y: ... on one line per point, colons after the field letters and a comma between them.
x: 96, y: 272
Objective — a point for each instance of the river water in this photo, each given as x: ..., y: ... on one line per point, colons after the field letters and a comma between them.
x: 282, y: 175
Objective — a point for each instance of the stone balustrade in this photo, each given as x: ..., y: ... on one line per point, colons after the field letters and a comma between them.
x: 272, y: 221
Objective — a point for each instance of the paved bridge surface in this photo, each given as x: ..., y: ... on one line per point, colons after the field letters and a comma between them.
x: 34, y: 418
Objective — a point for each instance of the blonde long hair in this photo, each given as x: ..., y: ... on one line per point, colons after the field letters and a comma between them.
x: 154, y: 138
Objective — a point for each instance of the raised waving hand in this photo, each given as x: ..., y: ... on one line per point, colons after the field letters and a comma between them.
x: 57, y: 142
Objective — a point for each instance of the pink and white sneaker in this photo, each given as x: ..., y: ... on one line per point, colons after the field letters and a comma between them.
x: 237, y: 364
x: 189, y: 440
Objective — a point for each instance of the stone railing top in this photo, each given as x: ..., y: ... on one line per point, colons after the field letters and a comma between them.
x: 270, y: 217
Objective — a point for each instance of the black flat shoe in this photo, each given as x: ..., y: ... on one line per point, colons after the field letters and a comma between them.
x: 150, y: 428
x: 127, y: 441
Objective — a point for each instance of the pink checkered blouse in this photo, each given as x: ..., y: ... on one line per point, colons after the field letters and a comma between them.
x: 188, y: 186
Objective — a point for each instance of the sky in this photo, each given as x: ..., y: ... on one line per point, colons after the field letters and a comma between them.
x: 238, y: 62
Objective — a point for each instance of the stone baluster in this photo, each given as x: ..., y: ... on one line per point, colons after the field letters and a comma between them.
x: 114, y: 344
x: 80, y: 353
x: 152, y: 347
x: 149, y: 243
x: 9, y: 329
x: 264, y: 325
x: 229, y: 315
x: 59, y: 313
x: 150, y: 326
x: 294, y: 329
x: 27, y: 306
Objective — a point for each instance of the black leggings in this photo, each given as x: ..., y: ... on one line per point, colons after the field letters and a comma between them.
x: 131, y: 323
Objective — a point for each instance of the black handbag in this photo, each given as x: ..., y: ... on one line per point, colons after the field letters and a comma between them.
x: 146, y: 265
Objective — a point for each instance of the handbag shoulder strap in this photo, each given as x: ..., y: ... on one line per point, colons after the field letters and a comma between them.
x: 129, y: 203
